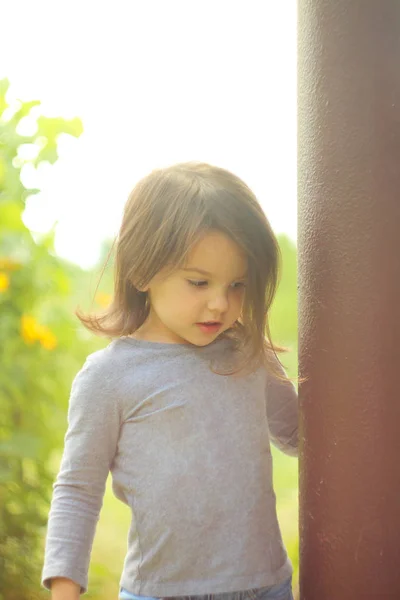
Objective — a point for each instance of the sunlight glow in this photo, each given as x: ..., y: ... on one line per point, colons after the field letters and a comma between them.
x: 154, y: 83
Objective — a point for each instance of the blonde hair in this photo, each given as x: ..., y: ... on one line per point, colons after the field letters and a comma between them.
x: 165, y: 215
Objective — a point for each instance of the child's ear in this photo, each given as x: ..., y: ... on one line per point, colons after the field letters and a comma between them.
x: 140, y: 288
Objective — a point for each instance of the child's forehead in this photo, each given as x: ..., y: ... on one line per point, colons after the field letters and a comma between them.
x: 216, y: 252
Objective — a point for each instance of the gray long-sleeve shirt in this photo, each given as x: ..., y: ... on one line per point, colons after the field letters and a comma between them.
x: 189, y: 452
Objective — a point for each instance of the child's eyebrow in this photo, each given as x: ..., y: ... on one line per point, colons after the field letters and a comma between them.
x: 201, y: 271
x: 207, y: 273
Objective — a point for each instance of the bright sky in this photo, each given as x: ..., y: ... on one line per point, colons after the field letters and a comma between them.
x: 154, y: 82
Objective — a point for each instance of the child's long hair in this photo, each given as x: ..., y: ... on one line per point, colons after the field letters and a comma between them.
x: 166, y: 214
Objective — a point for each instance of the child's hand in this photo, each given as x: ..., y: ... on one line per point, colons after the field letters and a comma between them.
x: 64, y: 589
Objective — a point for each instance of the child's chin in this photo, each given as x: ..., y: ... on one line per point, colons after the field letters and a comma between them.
x: 206, y: 342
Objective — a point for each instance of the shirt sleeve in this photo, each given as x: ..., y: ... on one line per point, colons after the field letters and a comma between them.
x: 90, y: 446
x: 282, y: 414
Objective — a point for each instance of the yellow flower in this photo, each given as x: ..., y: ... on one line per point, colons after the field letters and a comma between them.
x: 103, y: 299
x: 4, y: 282
x: 47, y: 338
x: 8, y: 264
x: 28, y: 329
x: 32, y: 331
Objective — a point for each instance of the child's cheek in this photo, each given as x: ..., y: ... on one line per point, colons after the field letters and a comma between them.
x: 239, y: 301
x: 184, y: 298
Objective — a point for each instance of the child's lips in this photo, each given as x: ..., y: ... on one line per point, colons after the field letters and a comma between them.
x: 209, y: 326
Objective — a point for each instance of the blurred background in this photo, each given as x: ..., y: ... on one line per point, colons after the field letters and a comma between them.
x: 92, y: 97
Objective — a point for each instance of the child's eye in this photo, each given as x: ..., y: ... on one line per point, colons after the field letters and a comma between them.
x: 196, y: 283
x: 238, y: 285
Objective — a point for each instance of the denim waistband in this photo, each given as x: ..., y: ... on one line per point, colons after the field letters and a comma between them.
x: 281, y: 591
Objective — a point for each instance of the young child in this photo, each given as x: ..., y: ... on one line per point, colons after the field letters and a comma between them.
x: 182, y: 405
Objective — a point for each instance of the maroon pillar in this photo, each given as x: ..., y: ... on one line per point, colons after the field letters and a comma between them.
x: 349, y: 298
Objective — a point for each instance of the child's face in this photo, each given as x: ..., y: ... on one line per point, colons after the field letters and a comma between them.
x: 197, y: 303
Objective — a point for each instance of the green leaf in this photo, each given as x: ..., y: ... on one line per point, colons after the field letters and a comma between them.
x: 4, y: 85
x: 21, y: 445
x: 11, y: 216
x: 25, y: 109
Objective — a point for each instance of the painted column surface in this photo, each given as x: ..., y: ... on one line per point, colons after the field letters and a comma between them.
x: 349, y: 298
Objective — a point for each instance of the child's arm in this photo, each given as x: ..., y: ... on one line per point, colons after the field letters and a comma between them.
x: 282, y: 414
x: 64, y: 589
x: 90, y: 446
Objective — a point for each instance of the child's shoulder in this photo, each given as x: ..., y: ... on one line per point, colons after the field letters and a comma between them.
x: 108, y: 362
x: 101, y: 377
x: 110, y: 356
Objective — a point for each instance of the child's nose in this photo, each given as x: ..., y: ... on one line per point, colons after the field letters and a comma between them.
x: 219, y: 302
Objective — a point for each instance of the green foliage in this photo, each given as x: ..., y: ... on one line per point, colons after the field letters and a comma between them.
x: 37, y: 335
x: 283, y: 314
x: 284, y: 332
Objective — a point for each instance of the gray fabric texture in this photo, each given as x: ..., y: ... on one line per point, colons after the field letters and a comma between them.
x: 189, y: 453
